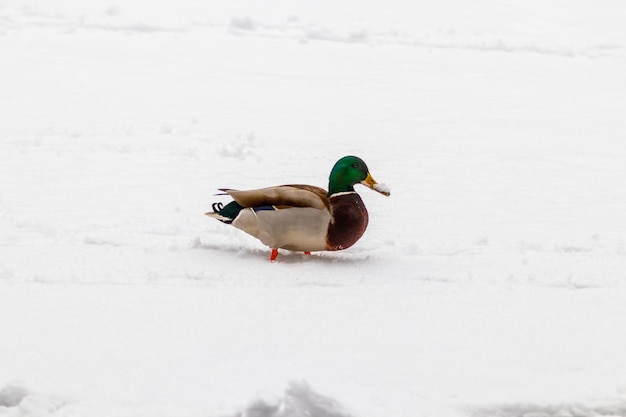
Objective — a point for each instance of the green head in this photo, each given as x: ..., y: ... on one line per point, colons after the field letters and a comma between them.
x: 347, y: 172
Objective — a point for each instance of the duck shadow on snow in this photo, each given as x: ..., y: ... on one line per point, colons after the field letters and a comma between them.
x: 289, y: 257
x: 299, y: 400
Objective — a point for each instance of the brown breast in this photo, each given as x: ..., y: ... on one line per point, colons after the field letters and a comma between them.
x: 348, y: 220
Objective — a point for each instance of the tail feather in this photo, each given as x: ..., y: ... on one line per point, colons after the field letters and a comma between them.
x: 219, y: 217
x: 225, y: 213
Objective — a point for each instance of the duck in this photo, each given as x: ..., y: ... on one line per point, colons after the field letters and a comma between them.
x: 300, y: 217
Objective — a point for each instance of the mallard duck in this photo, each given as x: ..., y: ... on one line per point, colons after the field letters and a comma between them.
x: 301, y: 217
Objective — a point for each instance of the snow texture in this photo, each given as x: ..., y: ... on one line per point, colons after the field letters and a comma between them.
x: 490, y: 283
x: 382, y: 188
x: 299, y: 400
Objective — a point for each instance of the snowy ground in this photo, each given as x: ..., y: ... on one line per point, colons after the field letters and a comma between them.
x: 491, y: 283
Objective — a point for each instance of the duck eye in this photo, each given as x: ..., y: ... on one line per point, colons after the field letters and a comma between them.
x: 355, y: 165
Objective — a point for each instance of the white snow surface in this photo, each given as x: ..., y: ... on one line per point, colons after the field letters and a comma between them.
x: 491, y: 283
x: 382, y: 188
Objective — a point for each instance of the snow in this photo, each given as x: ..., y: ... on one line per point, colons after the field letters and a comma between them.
x: 382, y: 188
x: 490, y: 283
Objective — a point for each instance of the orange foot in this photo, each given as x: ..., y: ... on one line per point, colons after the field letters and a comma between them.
x: 307, y: 253
x: 273, y: 255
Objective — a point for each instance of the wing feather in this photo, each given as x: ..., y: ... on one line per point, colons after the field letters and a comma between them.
x: 292, y: 195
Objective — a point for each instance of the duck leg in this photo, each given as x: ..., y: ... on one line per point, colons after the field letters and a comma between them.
x: 273, y: 255
x: 307, y: 253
